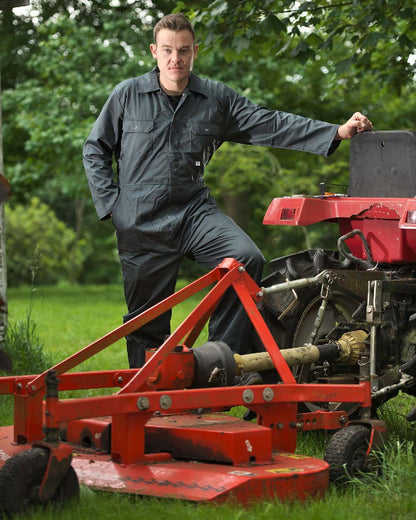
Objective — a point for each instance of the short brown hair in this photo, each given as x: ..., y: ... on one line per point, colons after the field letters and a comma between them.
x: 175, y: 22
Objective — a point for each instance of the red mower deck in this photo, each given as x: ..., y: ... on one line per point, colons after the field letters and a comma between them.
x: 161, y: 437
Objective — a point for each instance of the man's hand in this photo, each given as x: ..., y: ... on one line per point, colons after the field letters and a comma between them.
x: 355, y: 125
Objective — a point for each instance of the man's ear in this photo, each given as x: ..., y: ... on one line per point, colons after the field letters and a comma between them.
x: 196, y: 47
x: 153, y: 49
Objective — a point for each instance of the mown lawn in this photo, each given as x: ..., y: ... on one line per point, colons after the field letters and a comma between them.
x: 70, y: 317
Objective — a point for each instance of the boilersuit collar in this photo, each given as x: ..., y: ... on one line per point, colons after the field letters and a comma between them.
x: 150, y: 83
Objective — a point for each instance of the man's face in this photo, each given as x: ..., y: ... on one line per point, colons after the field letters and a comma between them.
x: 175, y: 53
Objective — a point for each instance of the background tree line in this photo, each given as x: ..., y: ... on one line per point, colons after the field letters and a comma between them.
x: 60, y: 60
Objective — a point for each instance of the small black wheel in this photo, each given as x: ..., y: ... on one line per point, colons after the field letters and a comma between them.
x: 346, y: 454
x: 20, y: 480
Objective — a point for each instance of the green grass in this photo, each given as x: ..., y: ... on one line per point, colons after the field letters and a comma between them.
x: 70, y: 317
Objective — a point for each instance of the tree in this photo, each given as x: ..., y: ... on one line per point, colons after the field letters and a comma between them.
x: 70, y: 54
x: 372, y: 34
x: 77, y: 53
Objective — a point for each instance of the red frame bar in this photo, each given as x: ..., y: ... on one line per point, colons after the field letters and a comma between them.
x: 71, y: 409
x: 70, y: 381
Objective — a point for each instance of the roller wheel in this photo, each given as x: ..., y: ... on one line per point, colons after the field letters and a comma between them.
x: 20, y: 480
x: 346, y: 454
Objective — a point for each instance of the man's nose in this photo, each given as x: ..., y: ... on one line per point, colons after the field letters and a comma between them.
x: 175, y: 56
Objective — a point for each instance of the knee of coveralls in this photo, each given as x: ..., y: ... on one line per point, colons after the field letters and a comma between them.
x: 251, y: 257
x: 230, y: 322
x: 254, y: 264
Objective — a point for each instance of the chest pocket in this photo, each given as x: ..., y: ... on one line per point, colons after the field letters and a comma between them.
x: 137, y: 137
x: 204, y: 136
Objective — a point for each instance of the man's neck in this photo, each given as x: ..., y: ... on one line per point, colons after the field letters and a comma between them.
x: 173, y: 89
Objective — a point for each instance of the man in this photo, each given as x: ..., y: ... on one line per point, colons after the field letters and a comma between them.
x: 162, y: 129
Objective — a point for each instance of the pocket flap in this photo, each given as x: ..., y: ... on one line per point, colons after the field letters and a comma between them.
x: 138, y: 125
x: 206, y: 129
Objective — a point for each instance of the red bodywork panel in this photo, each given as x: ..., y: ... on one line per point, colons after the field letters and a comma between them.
x: 386, y: 223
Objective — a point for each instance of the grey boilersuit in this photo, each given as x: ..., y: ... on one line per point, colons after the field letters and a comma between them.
x: 161, y: 208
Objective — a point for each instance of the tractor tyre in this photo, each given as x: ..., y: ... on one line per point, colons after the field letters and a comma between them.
x: 20, y: 480
x: 291, y: 319
x: 290, y: 315
x: 346, y: 454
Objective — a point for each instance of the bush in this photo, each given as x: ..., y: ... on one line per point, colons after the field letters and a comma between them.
x: 39, y: 245
x: 25, y: 348
x: 26, y: 352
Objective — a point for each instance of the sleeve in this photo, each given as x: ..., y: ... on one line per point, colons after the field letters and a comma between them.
x: 98, y: 153
x: 248, y: 123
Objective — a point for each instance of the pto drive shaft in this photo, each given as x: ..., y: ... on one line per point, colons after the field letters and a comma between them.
x: 345, y: 350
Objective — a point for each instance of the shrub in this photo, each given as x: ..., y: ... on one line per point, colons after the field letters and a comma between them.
x: 39, y: 245
x: 25, y: 349
x: 26, y: 352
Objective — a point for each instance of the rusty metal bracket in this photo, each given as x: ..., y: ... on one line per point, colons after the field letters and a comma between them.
x: 60, y: 457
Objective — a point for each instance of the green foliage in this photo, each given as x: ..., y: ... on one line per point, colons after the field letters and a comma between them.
x: 39, y: 246
x: 370, y: 34
x: 322, y: 60
x: 101, y: 263
x: 25, y: 347
x: 243, y: 180
x: 68, y: 79
x: 26, y: 351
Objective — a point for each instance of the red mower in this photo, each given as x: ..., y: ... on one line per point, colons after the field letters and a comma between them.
x: 336, y: 338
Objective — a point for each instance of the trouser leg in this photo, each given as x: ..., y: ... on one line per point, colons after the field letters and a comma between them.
x: 148, y: 279
x: 212, y: 238
x: 207, y: 236
x: 230, y: 323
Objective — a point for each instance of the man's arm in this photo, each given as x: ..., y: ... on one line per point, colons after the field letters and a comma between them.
x: 251, y: 124
x: 98, y: 157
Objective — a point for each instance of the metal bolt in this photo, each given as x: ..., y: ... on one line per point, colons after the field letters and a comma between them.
x: 260, y: 294
x: 143, y: 403
x: 119, y: 380
x: 248, y: 396
x: 33, y: 388
x: 268, y: 394
x: 165, y: 402
x: 19, y: 386
x: 241, y: 269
